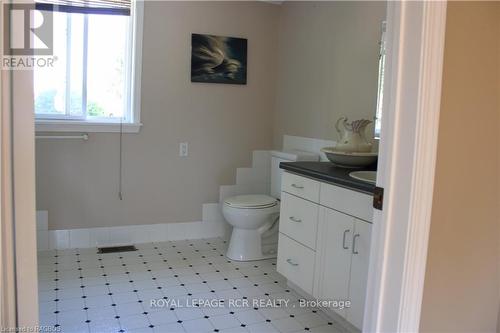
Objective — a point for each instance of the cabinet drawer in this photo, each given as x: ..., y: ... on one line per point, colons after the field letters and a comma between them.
x: 299, y: 219
x: 296, y: 263
x: 300, y: 186
x: 347, y: 201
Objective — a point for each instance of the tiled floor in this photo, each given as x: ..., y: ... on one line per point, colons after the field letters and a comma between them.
x: 82, y: 291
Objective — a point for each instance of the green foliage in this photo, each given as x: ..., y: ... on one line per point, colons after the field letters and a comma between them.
x: 44, y: 103
x: 95, y: 110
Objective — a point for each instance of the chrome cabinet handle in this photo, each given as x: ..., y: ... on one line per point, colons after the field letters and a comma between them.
x: 343, y: 239
x: 290, y: 261
x: 354, y: 251
x: 294, y: 219
x: 300, y: 187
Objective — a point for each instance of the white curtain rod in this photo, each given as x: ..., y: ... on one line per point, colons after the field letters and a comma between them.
x: 83, y: 137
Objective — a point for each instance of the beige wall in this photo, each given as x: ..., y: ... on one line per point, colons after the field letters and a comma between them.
x: 327, y: 65
x: 461, y: 285
x: 326, y: 54
x: 77, y: 181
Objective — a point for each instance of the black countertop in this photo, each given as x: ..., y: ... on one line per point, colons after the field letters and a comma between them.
x: 327, y: 172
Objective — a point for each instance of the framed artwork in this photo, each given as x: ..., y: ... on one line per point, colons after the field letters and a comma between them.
x: 217, y: 59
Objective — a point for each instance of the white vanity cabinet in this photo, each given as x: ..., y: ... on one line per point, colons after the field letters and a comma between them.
x: 324, y: 242
x: 342, y: 262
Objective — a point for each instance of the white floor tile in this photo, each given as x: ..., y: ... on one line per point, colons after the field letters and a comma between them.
x: 286, y: 325
x: 235, y: 330
x: 142, y: 330
x: 249, y: 317
x: 67, y: 317
x: 98, y: 301
x: 128, y: 297
x: 188, y: 313
x: 224, y: 321
x: 262, y: 328
x: 134, y: 321
x: 311, y: 320
x: 70, y: 304
x: 74, y: 328
x: 197, y: 288
x: 118, y: 289
x: 162, y: 317
x: 326, y: 329
x: 170, y: 328
x: 273, y: 313
x: 198, y: 325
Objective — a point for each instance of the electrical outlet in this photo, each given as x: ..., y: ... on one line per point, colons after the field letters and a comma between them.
x: 183, y: 149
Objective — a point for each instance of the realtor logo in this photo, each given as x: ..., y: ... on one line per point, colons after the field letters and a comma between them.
x: 27, y: 31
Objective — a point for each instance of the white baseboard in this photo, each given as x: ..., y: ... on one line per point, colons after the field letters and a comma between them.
x: 133, y: 234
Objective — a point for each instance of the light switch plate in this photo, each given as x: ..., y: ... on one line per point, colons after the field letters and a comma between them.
x: 183, y: 149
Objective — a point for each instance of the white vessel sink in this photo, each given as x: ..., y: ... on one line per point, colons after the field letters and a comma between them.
x: 366, y: 176
x: 349, y: 160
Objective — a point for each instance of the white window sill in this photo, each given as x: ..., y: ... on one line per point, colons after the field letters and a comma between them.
x: 84, y: 126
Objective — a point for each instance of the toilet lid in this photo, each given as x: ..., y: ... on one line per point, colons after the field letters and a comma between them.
x: 251, y: 201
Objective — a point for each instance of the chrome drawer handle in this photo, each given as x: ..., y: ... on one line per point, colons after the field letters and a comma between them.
x: 343, y: 239
x: 294, y: 219
x: 300, y: 187
x: 354, y: 251
x: 290, y: 261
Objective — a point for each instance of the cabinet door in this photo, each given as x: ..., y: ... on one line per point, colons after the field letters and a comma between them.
x: 336, y: 232
x: 359, y: 272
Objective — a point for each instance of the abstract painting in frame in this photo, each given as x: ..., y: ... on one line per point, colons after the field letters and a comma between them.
x: 217, y: 59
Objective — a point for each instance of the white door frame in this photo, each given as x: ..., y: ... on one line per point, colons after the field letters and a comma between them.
x: 415, y: 33
x: 415, y: 46
x: 19, y: 272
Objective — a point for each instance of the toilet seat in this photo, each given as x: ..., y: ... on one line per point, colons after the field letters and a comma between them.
x: 251, y: 201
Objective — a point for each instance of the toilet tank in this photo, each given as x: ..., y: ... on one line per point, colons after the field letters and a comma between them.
x: 278, y: 156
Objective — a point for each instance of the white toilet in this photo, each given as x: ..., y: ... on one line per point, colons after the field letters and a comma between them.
x: 255, y: 217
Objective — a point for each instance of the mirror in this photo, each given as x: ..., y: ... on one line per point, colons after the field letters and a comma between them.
x: 330, y: 64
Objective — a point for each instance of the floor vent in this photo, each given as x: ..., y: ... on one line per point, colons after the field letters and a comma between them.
x: 114, y: 249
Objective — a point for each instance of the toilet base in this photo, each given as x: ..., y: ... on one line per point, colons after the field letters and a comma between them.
x: 246, y: 245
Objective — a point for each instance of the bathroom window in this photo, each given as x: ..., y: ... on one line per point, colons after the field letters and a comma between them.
x: 94, y: 82
x: 380, y: 90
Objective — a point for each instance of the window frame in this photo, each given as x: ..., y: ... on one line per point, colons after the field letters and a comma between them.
x: 131, y: 122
